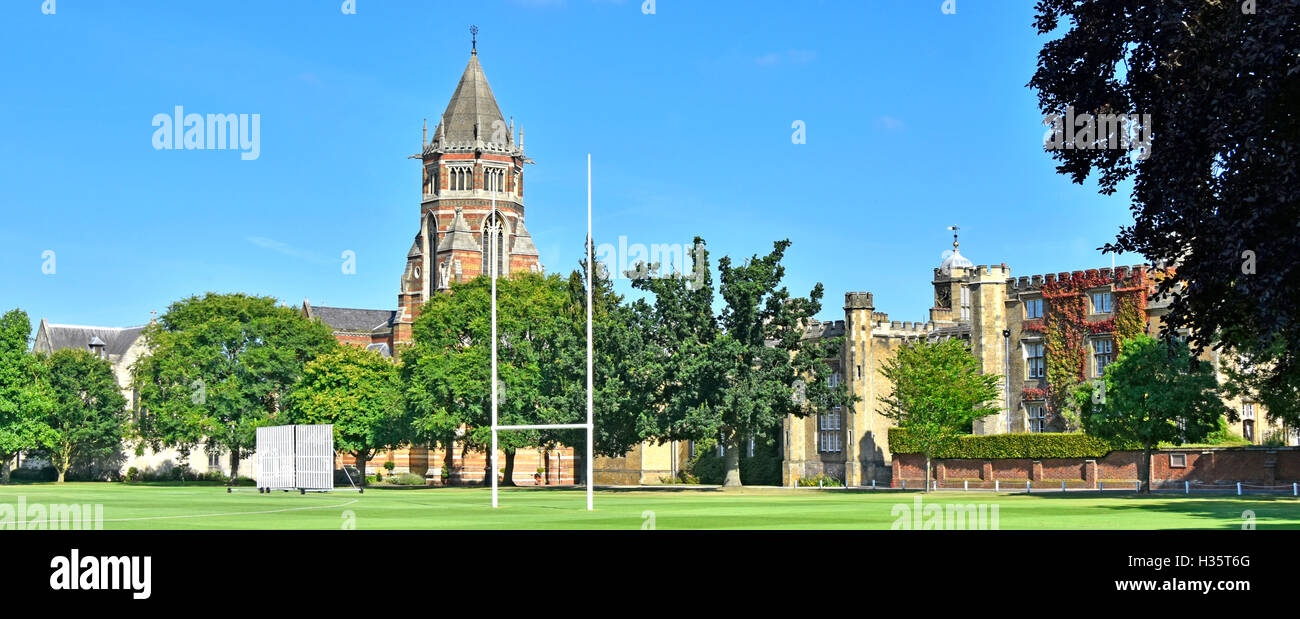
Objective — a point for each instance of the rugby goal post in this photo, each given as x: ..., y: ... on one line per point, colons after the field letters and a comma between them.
x: 297, y: 457
x: 589, y: 426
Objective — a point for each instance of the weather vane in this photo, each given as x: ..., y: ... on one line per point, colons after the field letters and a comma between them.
x: 954, y: 235
x: 473, y: 34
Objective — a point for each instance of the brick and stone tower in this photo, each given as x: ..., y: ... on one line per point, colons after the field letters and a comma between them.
x: 472, y: 173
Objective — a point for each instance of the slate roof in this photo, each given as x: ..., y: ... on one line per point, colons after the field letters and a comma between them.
x: 350, y: 319
x: 472, y: 105
x: 383, y: 349
x: 117, y: 340
x: 459, y: 236
x: 523, y: 242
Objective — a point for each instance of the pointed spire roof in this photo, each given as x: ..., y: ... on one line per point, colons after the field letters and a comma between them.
x: 472, y: 112
x: 523, y: 242
x: 460, y: 236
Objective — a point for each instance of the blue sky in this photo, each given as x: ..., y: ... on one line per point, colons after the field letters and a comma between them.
x: 916, y: 120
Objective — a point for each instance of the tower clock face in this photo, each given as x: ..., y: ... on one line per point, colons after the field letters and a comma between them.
x: 416, y: 271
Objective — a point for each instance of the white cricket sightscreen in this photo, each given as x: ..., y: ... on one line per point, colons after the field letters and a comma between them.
x: 298, y: 457
x: 589, y: 426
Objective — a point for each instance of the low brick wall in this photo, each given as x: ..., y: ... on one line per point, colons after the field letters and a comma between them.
x: 1270, y: 466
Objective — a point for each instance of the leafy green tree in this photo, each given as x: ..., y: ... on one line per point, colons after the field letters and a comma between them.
x: 218, y: 367
x: 447, y: 368
x: 626, y: 371
x: 88, y: 419
x: 1155, y: 392
x: 24, y: 395
x: 937, y: 392
x: 1216, y: 193
x: 1253, y: 375
x: 360, y: 393
x: 738, y: 375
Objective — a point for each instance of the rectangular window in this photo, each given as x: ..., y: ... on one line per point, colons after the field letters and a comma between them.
x: 1177, y: 461
x: 1248, y: 410
x: 1103, y: 352
x: 1033, y: 309
x: 214, y: 461
x: 690, y: 449
x: 1034, y: 359
x: 965, y: 303
x: 749, y: 452
x: 829, y: 435
x: 1101, y: 302
x: 1037, y: 417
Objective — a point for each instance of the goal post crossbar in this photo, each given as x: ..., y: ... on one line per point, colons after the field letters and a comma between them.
x: 545, y: 426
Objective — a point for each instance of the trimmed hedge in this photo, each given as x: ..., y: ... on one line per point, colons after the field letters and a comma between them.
x: 991, y: 446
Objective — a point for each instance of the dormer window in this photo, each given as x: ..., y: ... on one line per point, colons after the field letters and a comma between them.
x: 1102, y: 302
x: 98, y: 347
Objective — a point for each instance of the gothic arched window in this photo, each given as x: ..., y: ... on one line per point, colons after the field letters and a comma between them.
x: 462, y: 179
x: 494, y: 250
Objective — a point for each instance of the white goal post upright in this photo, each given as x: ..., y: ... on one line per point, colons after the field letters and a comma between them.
x: 591, y: 268
x: 492, y: 257
x: 589, y: 426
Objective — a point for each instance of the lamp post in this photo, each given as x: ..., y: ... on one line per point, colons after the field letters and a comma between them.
x: 1006, y: 374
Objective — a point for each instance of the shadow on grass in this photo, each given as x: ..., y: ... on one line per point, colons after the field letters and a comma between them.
x: 1222, y: 511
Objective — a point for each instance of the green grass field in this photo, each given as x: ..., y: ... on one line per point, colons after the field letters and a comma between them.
x: 199, y: 507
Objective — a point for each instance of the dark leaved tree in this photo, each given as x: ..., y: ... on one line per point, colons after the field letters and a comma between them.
x: 1217, y: 193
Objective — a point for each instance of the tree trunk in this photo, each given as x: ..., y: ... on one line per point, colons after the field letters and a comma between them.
x: 1145, y: 470
x: 4, y: 468
x: 731, y: 462
x: 449, y: 456
x: 580, y: 461
x: 509, y: 471
x: 359, y: 458
x: 234, y: 465
x: 63, y: 462
x: 927, y: 473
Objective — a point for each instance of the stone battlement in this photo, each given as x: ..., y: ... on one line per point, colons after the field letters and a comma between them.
x: 1028, y: 283
x: 858, y: 300
x: 985, y: 271
x: 902, y: 328
x: 821, y: 329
